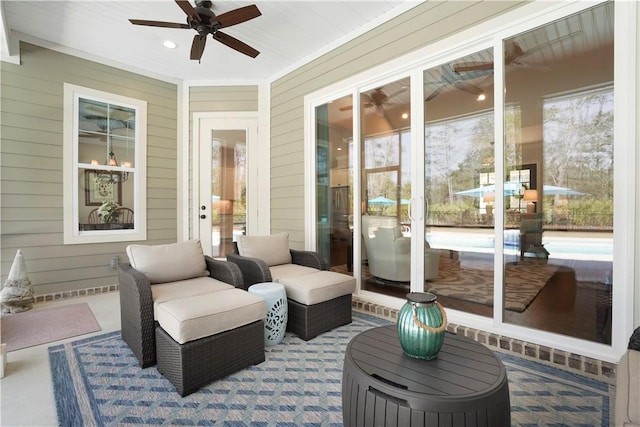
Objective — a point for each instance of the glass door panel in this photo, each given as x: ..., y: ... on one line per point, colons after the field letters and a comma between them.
x: 559, y: 161
x: 223, y: 181
x: 459, y: 181
x: 334, y: 183
x: 386, y: 189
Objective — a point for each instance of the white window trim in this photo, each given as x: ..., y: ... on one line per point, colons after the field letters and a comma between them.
x: 72, y: 235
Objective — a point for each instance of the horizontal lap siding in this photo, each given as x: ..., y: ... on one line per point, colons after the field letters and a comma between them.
x: 31, y: 113
x: 416, y: 28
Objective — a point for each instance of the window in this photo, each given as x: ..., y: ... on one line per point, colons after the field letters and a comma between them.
x: 104, y: 173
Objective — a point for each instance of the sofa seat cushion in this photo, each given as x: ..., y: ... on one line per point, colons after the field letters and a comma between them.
x: 195, y: 317
x: 168, y: 263
x: 290, y: 270
x: 318, y: 287
x: 163, y: 292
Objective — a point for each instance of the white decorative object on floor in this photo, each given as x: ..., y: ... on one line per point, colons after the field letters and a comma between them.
x: 275, y: 324
x: 3, y: 359
x: 17, y: 294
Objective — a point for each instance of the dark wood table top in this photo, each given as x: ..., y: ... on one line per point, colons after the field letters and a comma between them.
x: 464, y: 370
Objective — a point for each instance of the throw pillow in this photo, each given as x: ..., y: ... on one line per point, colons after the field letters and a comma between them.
x: 169, y: 263
x: 272, y: 249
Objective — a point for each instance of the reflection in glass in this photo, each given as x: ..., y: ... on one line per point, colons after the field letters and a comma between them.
x: 106, y: 160
x: 228, y: 189
x: 460, y: 181
x: 386, y: 188
x: 334, y: 191
x: 559, y: 129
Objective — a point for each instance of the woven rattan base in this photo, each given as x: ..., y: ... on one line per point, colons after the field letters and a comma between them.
x: 197, y: 363
x: 309, y: 321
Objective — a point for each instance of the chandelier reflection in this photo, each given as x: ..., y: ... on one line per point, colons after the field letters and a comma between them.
x: 111, y: 176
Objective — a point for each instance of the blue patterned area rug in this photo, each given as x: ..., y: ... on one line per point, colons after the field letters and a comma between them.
x: 97, y: 382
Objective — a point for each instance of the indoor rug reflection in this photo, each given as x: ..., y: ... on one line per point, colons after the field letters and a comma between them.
x: 473, y: 281
x: 97, y: 381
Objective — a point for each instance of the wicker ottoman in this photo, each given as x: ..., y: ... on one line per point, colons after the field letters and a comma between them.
x: 318, y: 302
x: 204, y: 338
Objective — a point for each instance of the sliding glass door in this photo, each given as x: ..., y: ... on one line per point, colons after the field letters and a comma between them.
x: 559, y: 167
x: 508, y: 213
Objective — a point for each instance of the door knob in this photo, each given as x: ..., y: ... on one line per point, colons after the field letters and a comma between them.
x: 203, y: 216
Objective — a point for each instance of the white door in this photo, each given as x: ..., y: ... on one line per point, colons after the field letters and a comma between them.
x: 222, y: 211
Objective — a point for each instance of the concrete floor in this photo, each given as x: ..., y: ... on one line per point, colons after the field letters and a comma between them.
x: 26, y: 391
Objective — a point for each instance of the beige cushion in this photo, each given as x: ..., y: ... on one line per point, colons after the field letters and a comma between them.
x: 273, y: 249
x: 318, y: 287
x: 168, y: 263
x: 163, y: 292
x: 627, y: 409
x: 286, y: 270
x: 196, y: 317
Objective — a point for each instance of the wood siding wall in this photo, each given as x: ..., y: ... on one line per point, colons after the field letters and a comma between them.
x: 32, y: 162
x: 418, y: 27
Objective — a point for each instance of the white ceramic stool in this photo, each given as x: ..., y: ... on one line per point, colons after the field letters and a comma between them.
x: 275, y: 324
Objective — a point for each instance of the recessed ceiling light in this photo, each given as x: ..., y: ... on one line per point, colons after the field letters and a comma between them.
x: 405, y: 115
x: 481, y: 97
x: 169, y: 44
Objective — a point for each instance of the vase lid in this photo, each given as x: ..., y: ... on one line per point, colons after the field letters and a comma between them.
x: 421, y: 297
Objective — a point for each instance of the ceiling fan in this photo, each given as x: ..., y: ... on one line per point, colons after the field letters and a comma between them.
x: 513, y: 55
x: 205, y: 22
x: 449, y: 77
x: 377, y: 99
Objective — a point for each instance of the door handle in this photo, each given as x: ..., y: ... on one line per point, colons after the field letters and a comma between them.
x: 203, y: 216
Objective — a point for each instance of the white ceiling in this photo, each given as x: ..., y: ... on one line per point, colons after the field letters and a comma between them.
x: 288, y: 34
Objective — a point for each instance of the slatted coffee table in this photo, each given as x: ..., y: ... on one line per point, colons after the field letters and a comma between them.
x: 466, y: 385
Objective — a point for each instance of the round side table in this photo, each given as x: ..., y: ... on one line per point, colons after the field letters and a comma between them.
x: 275, y: 324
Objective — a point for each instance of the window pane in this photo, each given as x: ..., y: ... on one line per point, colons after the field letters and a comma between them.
x: 386, y: 189
x: 334, y: 191
x: 559, y: 149
x: 228, y: 189
x: 106, y: 151
x: 459, y: 180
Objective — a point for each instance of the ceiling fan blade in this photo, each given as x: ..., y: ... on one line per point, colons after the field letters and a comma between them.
x: 236, y: 44
x: 188, y: 9
x: 197, y: 47
x: 238, y: 16
x: 159, y: 24
x: 469, y: 88
x: 470, y: 66
x: 435, y: 93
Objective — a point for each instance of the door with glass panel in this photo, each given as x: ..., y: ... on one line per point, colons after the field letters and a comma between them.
x: 334, y: 183
x: 459, y: 183
x: 222, y: 213
x: 385, y: 189
x: 559, y: 166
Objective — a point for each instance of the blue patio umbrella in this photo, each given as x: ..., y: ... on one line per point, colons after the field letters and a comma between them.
x: 552, y: 190
x: 382, y: 201
x: 510, y: 188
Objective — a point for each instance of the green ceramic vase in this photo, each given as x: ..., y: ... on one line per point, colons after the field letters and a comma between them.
x: 422, y: 324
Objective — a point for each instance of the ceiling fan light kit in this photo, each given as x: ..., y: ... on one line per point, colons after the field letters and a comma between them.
x: 204, y: 21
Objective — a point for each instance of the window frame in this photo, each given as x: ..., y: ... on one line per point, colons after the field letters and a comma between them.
x: 625, y: 155
x: 72, y: 168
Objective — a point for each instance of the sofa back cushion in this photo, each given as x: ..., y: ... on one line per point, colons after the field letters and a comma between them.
x: 272, y: 249
x: 168, y: 263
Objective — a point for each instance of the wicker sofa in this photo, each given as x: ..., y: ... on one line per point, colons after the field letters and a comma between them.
x: 318, y: 300
x: 175, y: 304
